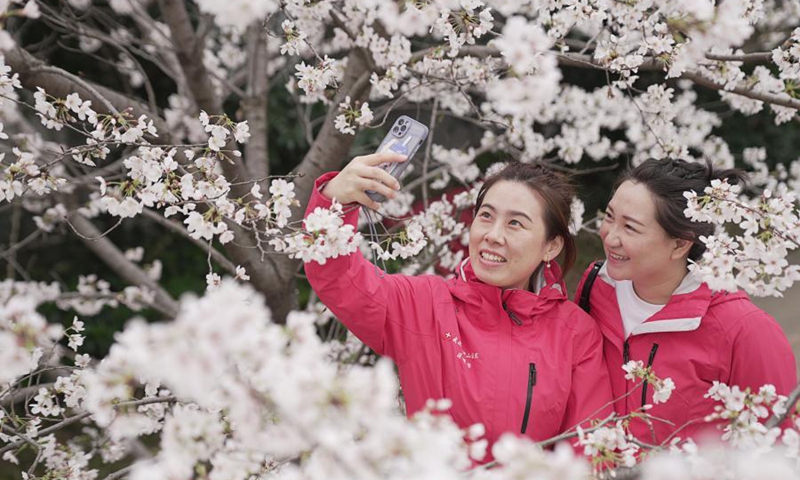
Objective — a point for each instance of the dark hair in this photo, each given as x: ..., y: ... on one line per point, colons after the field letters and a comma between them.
x: 666, y: 180
x: 557, y: 192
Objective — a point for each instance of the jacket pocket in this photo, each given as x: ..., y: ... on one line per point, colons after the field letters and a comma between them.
x: 529, y: 399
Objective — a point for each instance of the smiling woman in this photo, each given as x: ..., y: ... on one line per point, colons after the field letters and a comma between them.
x: 501, y: 340
x: 653, y: 310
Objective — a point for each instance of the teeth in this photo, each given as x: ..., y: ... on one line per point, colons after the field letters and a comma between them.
x: 617, y: 257
x: 492, y: 258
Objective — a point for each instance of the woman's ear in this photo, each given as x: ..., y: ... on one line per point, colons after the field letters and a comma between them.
x: 681, y: 248
x: 554, y: 247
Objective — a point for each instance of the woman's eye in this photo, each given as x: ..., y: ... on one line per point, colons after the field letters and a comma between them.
x: 608, y: 217
x: 628, y: 227
x: 515, y: 223
x: 484, y: 215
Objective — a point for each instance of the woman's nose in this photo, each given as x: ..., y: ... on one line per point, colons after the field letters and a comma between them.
x: 609, y: 236
x: 495, y: 233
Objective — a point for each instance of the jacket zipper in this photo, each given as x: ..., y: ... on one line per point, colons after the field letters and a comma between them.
x: 652, y: 357
x: 531, y: 384
x: 511, y: 315
x: 626, y: 356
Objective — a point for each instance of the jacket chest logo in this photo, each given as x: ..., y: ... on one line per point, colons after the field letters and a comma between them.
x: 465, y: 356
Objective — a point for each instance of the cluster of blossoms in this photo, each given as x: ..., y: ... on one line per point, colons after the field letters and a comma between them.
x: 195, y: 188
x: 324, y: 236
x: 352, y: 117
x: 25, y: 335
x: 405, y: 244
x: 221, y: 129
x: 745, y: 413
x: 457, y: 163
x: 662, y: 388
x: 526, y: 48
x: 462, y: 22
x: 443, y: 232
x: 754, y: 259
x: 609, y: 446
x: 613, y: 446
x: 234, y: 416
x: 314, y: 80
x: 289, y: 411
x: 688, y: 461
x: 92, y: 294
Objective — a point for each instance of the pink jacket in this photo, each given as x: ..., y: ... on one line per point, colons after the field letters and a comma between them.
x: 512, y: 360
x: 698, y: 337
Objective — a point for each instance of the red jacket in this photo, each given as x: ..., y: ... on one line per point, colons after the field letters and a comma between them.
x: 698, y: 337
x: 507, y: 359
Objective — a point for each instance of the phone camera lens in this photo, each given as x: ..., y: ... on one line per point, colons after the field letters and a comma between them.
x: 396, y: 130
x: 402, y: 121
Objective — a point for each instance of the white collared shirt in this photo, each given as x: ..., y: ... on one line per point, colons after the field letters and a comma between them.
x: 633, y: 310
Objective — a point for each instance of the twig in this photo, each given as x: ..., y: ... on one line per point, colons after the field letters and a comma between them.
x: 21, y: 394
x: 25, y: 438
x: 178, y: 228
x: 77, y: 418
x: 97, y: 237
x: 682, y: 427
x: 119, y: 473
x: 570, y: 434
x: 776, y: 419
x: 17, y: 246
x: 644, y: 119
x: 79, y: 81
x: 428, y: 148
x: 13, y: 238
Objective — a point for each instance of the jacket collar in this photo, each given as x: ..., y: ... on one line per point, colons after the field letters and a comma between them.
x: 524, y: 304
x: 682, y: 313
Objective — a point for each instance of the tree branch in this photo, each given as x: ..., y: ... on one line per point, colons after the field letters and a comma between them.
x: 180, y: 230
x: 77, y: 418
x: 755, y: 57
x: 256, y: 150
x: 745, y: 92
x: 112, y: 256
x: 60, y: 83
x: 569, y: 59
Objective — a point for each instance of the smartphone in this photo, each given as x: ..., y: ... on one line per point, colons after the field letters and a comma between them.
x: 405, y: 137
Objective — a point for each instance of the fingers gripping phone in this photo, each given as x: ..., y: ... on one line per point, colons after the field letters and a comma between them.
x: 405, y: 137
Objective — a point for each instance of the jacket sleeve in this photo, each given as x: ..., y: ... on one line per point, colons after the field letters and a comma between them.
x: 389, y: 313
x: 761, y: 354
x: 591, y: 397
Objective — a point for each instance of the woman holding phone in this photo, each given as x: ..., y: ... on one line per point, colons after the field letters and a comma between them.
x: 501, y: 339
x: 651, y: 309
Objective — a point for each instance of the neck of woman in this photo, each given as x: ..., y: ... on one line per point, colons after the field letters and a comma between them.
x: 658, y: 290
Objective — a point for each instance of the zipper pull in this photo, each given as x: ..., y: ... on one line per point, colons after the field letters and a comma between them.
x: 511, y: 315
x: 626, y: 352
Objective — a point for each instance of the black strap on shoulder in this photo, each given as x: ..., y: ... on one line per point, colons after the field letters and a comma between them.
x: 587, y: 286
